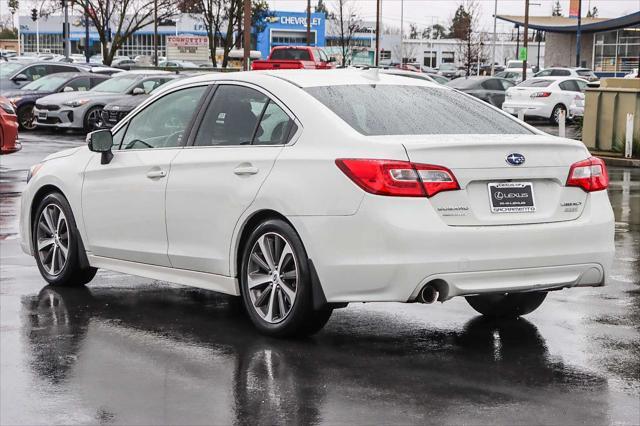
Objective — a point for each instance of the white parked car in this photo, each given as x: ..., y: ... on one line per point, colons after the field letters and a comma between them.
x: 514, y: 74
x: 582, y: 73
x: 303, y: 190
x: 545, y: 97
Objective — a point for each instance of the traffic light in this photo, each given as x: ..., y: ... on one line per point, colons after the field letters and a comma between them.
x: 34, y: 15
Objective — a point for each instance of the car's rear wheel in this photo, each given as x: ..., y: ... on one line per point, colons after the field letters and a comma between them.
x: 555, y: 114
x: 276, y: 282
x: 56, y: 243
x: 93, y: 119
x: 507, y: 305
x: 26, y: 118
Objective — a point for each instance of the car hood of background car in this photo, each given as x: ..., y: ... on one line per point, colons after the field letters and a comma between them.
x: 60, y: 98
x: 126, y: 103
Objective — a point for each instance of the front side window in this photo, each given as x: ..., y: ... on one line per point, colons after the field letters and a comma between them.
x: 49, y: 83
x: 545, y: 73
x: 560, y: 73
x: 232, y: 117
x: 162, y: 124
x: 412, y: 110
x: 35, y: 72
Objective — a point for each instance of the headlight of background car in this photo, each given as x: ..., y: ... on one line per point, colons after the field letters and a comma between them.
x: 34, y: 171
x: 7, y: 107
x: 76, y: 103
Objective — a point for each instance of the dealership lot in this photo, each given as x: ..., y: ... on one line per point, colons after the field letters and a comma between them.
x: 189, y: 356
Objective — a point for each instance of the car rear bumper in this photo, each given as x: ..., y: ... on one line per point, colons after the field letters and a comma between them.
x: 392, y: 247
x: 533, y: 109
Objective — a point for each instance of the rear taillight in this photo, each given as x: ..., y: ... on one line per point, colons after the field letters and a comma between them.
x: 398, y: 178
x: 590, y: 175
x: 541, y: 94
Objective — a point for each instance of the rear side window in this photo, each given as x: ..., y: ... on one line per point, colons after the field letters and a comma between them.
x: 560, y: 73
x: 412, y: 110
x: 492, y: 84
x: 585, y: 73
x: 80, y: 84
x: 291, y: 55
x: 570, y: 86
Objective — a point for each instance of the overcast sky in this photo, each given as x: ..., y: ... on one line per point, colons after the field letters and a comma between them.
x: 424, y: 12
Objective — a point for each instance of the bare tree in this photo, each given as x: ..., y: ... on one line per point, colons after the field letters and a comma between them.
x: 212, y: 13
x: 124, y: 18
x: 346, y: 21
x: 464, y: 27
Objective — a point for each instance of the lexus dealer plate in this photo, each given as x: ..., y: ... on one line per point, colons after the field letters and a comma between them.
x: 511, y: 197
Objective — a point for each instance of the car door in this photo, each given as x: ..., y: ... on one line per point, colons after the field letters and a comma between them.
x: 216, y: 179
x: 123, y: 202
x: 569, y: 89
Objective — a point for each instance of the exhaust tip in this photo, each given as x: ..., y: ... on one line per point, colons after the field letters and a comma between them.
x: 429, y: 294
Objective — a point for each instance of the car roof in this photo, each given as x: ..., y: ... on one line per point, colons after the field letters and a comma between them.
x: 145, y: 73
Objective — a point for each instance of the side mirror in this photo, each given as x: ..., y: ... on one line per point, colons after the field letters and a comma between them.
x: 138, y: 91
x: 20, y: 77
x: 101, y: 141
x: 68, y: 89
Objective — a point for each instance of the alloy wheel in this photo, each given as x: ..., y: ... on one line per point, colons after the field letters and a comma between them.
x: 52, y: 239
x: 94, y: 119
x: 272, y: 277
x: 27, y: 118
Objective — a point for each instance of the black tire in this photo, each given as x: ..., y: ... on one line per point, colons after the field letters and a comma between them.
x: 507, y: 305
x: 26, y: 119
x: 90, y: 124
x: 301, y: 319
x: 555, y: 114
x: 71, y: 273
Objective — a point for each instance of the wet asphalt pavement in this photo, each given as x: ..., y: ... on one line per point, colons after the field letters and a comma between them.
x: 128, y: 350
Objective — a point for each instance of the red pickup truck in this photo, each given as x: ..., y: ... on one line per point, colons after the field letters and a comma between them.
x: 294, y: 57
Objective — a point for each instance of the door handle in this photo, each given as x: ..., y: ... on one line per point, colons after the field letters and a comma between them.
x: 153, y: 174
x: 246, y: 170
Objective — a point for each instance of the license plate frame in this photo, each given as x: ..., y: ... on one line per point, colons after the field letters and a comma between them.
x: 511, y: 197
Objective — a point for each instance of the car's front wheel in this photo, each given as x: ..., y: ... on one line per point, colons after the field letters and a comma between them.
x: 26, y: 118
x: 93, y: 119
x: 56, y: 243
x: 276, y: 282
x: 507, y: 305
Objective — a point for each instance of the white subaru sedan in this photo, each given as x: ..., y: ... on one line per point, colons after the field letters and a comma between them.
x: 302, y: 191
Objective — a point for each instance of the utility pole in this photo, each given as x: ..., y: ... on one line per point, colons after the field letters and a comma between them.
x: 525, y: 41
x: 493, y: 48
x: 247, y: 34
x: 401, y: 33
x: 34, y: 18
x: 67, y: 41
x: 155, y: 32
x: 377, y: 52
x: 308, y: 22
x: 578, y: 34
x: 87, y: 52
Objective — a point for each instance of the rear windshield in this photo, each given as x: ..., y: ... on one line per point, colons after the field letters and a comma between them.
x: 535, y: 83
x: 413, y: 110
x: 291, y: 55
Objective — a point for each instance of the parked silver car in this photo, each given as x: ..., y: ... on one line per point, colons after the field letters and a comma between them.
x: 84, y: 110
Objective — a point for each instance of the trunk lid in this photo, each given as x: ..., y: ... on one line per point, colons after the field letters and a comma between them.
x: 479, y: 163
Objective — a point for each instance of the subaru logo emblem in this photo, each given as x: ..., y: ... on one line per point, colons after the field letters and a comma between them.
x: 515, y: 159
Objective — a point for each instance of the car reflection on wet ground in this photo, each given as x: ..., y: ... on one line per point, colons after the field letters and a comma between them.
x: 126, y: 350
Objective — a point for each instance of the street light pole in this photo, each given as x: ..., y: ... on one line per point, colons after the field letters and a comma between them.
x: 377, y: 52
x: 308, y: 22
x: 493, y: 49
x: 246, y: 15
x: 525, y: 42
x: 155, y: 32
x: 578, y: 34
x: 401, y: 32
x: 67, y: 41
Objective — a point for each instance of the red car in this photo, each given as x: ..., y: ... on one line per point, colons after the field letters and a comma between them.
x: 295, y: 57
x: 8, y: 128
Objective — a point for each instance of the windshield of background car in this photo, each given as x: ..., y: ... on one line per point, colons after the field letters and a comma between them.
x: 116, y: 84
x: 375, y: 110
x: 535, y: 83
x: 8, y: 68
x: 291, y: 55
x: 48, y: 83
